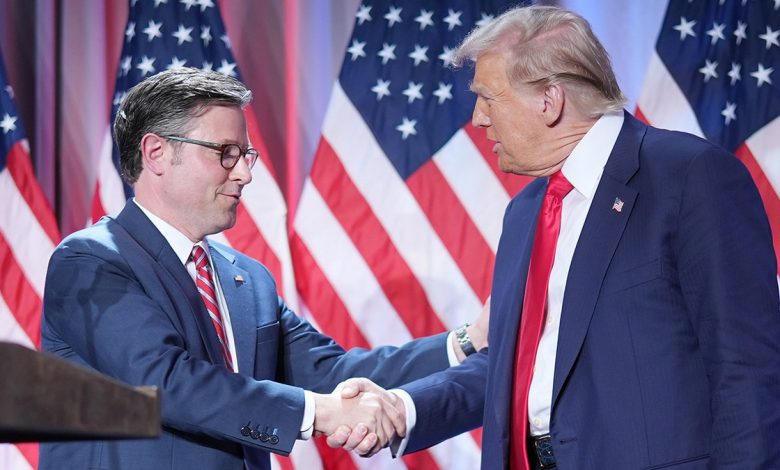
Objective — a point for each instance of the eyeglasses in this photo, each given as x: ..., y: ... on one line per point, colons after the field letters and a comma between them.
x: 229, y: 153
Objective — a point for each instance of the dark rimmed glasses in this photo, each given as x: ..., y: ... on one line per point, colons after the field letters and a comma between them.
x: 229, y: 153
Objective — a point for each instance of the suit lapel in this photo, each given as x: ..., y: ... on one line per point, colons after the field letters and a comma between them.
x: 239, y: 296
x: 597, y: 243
x: 145, y: 234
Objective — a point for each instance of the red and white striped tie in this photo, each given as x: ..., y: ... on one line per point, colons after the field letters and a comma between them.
x: 205, y: 283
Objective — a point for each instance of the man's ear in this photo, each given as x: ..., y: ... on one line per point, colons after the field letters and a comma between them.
x: 554, y: 98
x: 152, y: 152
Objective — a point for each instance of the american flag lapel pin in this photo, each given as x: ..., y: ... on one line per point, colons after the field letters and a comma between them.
x: 617, y: 206
x: 239, y: 279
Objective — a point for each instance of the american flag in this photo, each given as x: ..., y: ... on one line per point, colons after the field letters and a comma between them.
x: 397, y: 227
x: 28, y: 235
x: 714, y: 74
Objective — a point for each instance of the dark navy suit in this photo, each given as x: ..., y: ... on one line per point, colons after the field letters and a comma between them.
x: 119, y: 301
x: 669, y: 347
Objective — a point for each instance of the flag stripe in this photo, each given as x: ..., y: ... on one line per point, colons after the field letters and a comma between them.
x: 511, y: 183
x: 334, y: 458
x: 347, y: 272
x: 347, y: 204
x: 13, y: 457
x: 315, y: 289
x: 22, y: 172
x: 19, y: 296
x: 454, y: 226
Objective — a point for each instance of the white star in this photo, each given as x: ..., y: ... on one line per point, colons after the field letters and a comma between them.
x: 413, y: 91
x: 387, y: 53
x: 762, y: 75
x: 443, y: 92
x: 9, y: 123
x: 207, y: 66
x: 382, y: 89
x: 10, y: 91
x: 709, y: 70
x: 685, y: 28
x: 183, y: 34
x: 734, y: 73
x: 446, y: 56
x: 176, y: 63
x: 225, y: 39
x: 729, y: 112
x: 118, y: 98
x: 740, y: 32
x: 484, y: 20
x: 406, y: 128
x: 393, y: 16
x: 425, y: 19
x: 363, y: 14
x: 146, y: 66
x: 716, y: 32
x: 419, y: 54
x: 770, y: 37
x: 227, y: 68
x: 126, y: 65
x: 158, y: 2
x: 356, y: 49
x: 188, y: 3
x: 153, y: 30
x: 205, y: 4
x: 130, y: 31
x: 453, y: 18
x: 205, y: 35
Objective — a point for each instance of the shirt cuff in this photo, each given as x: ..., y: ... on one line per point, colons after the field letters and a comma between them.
x: 307, y: 425
x: 451, y: 356
x: 398, y: 446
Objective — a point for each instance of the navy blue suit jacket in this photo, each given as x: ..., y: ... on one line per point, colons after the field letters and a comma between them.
x: 669, y: 348
x: 119, y: 301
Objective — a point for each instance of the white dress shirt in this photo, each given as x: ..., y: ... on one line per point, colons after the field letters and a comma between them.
x: 583, y: 168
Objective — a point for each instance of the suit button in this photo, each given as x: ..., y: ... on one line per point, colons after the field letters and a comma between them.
x: 246, y: 431
x: 255, y: 434
x: 273, y: 440
x: 264, y: 437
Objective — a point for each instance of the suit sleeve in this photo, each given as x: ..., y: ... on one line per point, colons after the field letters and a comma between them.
x: 96, y: 313
x: 727, y: 270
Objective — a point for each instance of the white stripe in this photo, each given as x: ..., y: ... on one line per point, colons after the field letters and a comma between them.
x: 29, y: 243
x: 479, y: 190
x: 391, y: 201
x: 10, y: 330
x: 266, y: 206
x: 663, y: 103
x: 381, y: 461
x: 460, y: 452
x: 765, y: 147
x: 347, y: 271
x: 112, y: 191
x: 12, y: 459
x: 305, y: 456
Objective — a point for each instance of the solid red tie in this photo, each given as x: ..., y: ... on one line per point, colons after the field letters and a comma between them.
x: 534, y: 306
x: 205, y: 283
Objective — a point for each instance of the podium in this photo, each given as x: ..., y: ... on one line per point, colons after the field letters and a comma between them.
x: 45, y: 398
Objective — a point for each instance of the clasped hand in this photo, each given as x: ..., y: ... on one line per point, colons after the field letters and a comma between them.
x: 360, y: 415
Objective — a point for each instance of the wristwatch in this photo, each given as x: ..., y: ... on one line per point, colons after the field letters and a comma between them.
x: 462, y: 336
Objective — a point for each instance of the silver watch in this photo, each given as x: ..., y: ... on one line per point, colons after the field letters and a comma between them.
x: 462, y: 336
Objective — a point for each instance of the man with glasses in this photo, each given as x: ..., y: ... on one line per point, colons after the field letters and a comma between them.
x: 145, y: 298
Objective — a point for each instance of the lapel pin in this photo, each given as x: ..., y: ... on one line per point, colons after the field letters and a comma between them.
x: 617, y: 206
x: 238, y: 278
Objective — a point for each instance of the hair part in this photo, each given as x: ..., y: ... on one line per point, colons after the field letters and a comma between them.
x: 547, y: 46
x: 165, y: 104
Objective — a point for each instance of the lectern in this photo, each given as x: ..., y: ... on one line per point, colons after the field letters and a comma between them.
x: 45, y: 398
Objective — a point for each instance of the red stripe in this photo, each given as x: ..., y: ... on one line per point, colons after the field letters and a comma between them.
x: 292, y: 124
x: 30, y: 452
x: 454, y: 227
x: 19, y: 295
x: 21, y: 171
x: 333, y: 459
x: 768, y: 194
x: 256, y: 138
x: 512, y: 183
x: 318, y: 294
x: 372, y: 241
x: 419, y: 461
x: 641, y: 116
x: 246, y: 238
x: 285, y: 463
x: 97, y: 210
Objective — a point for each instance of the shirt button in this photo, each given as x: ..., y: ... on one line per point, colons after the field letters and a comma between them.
x: 537, y: 422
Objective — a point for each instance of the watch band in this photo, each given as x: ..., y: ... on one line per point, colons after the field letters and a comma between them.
x: 463, y: 339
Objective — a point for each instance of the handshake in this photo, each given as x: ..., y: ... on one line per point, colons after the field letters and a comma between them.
x: 361, y: 416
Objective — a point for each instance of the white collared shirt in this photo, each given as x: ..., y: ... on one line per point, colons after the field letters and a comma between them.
x: 583, y: 168
x: 182, y: 246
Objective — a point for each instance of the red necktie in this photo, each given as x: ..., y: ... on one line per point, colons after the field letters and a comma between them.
x: 534, y: 306
x: 205, y: 284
